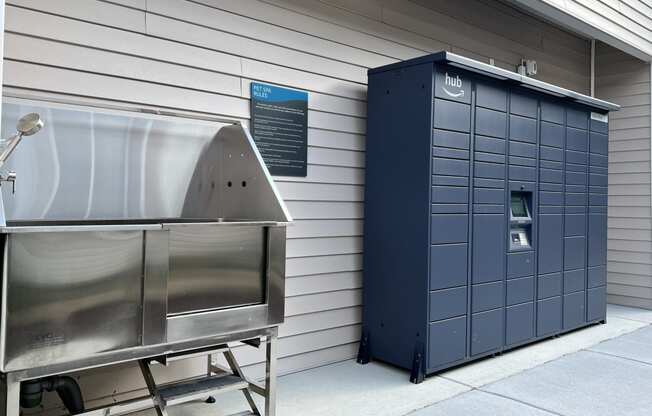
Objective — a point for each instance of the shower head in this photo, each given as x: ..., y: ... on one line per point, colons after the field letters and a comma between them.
x: 29, y: 124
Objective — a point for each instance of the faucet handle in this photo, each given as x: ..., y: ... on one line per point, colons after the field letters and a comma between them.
x: 11, y: 177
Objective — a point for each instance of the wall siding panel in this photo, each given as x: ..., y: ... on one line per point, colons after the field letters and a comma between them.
x: 149, y: 53
x: 624, y: 24
x: 625, y: 80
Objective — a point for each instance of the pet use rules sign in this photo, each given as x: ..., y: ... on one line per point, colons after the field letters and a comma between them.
x: 279, y: 124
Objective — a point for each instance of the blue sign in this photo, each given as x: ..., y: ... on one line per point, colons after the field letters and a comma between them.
x: 279, y: 125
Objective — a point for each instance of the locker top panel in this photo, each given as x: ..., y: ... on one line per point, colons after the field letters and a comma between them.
x: 514, y: 78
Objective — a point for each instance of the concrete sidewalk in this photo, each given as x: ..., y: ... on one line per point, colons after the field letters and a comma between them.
x: 601, y: 370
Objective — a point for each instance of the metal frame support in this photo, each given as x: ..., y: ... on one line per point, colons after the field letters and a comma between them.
x: 10, y: 395
x: 268, y: 391
x: 236, y: 370
x: 592, y: 67
x: 270, y: 374
x: 209, y: 371
x: 10, y: 384
x: 151, y: 387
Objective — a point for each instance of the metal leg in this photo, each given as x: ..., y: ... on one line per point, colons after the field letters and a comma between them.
x: 270, y: 375
x: 364, y: 352
x: 235, y: 368
x: 417, y: 375
x: 10, y: 395
x: 209, y: 372
x: 151, y: 386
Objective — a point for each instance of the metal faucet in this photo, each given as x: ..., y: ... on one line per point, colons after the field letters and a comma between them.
x: 11, y: 177
x: 28, y: 125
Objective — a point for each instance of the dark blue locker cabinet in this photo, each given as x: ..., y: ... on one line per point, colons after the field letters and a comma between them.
x: 485, y: 212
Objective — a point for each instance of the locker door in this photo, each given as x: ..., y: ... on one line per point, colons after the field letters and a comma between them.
x: 488, y: 247
x: 518, y: 320
x: 574, y: 310
x: 550, y: 247
x: 597, y: 239
x: 487, y: 331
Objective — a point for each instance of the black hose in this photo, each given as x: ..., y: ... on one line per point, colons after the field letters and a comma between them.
x: 68, y: 391
x: 31, y: 394
x: 66, y: 387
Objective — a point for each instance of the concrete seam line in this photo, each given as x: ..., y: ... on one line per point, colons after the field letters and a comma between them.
x: 543, y: 409
x: 633, y: 320
x: 480, y: 389
x: 471, y: 388
x: 618, y: 356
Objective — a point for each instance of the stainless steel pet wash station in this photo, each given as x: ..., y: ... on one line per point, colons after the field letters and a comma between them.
x: 134, y: 237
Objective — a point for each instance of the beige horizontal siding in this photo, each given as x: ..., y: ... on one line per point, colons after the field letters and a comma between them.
x: 624, y: 24
x: 626, y: 80
x: 200, y: 57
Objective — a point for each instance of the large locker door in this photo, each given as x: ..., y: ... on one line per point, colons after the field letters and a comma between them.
x: 488, y: 247
x: 550, y: 249
x: 597, y: 238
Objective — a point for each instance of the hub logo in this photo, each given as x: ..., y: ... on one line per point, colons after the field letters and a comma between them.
x: 453, y: 86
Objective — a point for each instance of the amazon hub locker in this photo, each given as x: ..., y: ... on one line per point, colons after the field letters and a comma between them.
x: 485, y: 212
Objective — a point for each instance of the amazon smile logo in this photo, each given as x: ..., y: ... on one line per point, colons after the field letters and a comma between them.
x: 452, y: 84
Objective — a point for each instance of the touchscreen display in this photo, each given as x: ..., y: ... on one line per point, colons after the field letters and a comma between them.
x: 518, y: 206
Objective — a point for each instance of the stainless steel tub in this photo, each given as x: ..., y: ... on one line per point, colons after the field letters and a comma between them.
x: 131, y: 236
x: 71, y: 294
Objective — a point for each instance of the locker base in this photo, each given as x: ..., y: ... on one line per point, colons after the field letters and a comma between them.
x: 364, y: 352
x: 418, y: 373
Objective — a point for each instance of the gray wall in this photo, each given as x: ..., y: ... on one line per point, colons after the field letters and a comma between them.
x: 626, y: 81
x: 201, y: 58
x: 624, y: 24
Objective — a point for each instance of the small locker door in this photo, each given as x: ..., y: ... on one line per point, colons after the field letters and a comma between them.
x: 597, y: 231
x: 522, y: 175
x: 488, y: 290
x: 451, y: 141
x: 550, y: 250
x: 575, y: 217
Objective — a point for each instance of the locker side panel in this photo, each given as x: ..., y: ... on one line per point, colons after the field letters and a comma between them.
x: 396, y: 256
